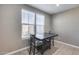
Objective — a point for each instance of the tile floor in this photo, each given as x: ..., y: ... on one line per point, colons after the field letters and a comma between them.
x: 65, y: 49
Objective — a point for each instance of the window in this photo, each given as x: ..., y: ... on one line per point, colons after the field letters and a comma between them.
x: 28, y: 19
x: 39, y: 23
x: 28, y: 23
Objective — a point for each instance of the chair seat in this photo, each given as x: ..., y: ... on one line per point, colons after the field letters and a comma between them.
x: 42, y: 47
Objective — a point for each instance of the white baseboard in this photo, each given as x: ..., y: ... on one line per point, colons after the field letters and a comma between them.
x: 67, y: 44
x: 10, y: 53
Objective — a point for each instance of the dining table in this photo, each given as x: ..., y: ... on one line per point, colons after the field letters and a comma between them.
x: 46, y: 38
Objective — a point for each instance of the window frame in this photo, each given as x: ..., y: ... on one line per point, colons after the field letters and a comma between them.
x: 35, y: 25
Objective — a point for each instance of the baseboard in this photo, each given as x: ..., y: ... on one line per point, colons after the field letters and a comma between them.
x: 67, y: 44
x: 13, y: 52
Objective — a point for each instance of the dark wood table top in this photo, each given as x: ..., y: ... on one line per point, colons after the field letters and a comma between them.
x: 45, y: 36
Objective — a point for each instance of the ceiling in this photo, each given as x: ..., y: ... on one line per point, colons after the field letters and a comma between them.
x: 53, y: 8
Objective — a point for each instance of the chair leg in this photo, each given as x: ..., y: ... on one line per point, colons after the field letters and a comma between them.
x: 34, y: 51
x: 42, y: 53
x: 53, y: 41
x: 50, y: 43
x: 30, y: 51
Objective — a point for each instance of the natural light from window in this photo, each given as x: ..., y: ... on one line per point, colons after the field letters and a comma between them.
x: 28, y: 23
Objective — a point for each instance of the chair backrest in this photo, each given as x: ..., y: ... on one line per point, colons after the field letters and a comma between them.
x: 32, y: 40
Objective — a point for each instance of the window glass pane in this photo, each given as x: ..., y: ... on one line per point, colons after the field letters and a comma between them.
x: 28, y: 17
x: 31, y: 29
x: 31, y: 17
x: 24, y: 16
x: 24, y: 31
x: 39, y: 19
x: 39, y: 29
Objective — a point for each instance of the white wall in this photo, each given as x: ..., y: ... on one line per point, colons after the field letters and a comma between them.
x: 66, y: 24
x: 10, y: 26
